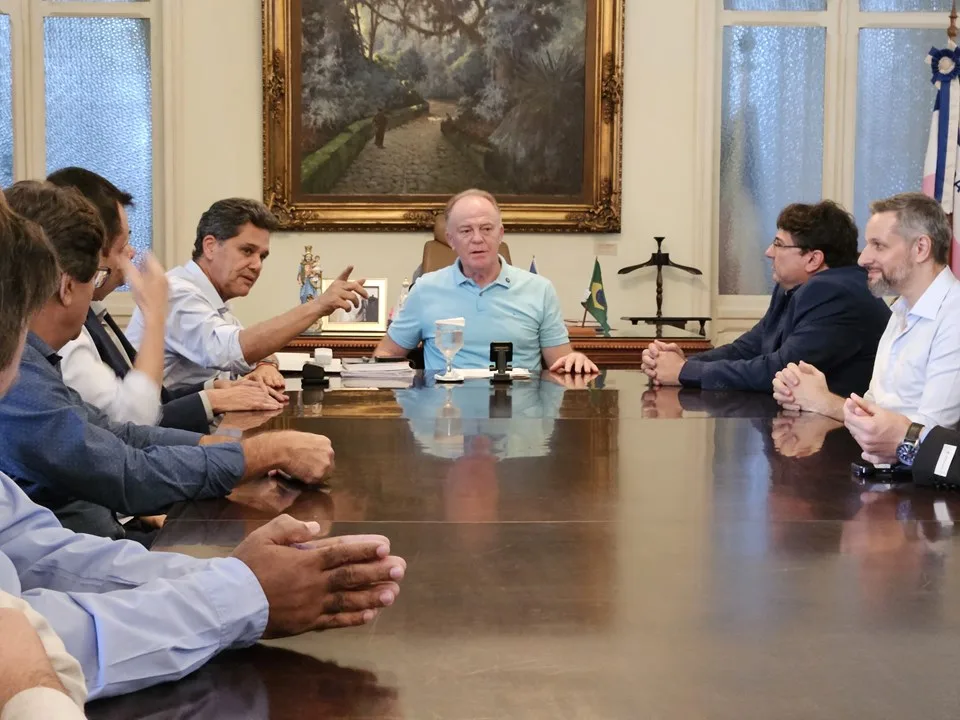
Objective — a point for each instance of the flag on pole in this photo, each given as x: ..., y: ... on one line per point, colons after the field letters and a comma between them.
x: 533, y: 265
x: 941, y: 180
x: 595, y: 302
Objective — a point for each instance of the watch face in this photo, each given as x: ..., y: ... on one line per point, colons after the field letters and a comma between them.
x: 906, y: 452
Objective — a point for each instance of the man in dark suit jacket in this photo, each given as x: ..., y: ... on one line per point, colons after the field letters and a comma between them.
x: 821, y: 311
x: 192, y: 408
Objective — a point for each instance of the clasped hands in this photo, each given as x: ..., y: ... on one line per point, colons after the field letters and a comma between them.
x: 662, y: 362
x: 802, y: 387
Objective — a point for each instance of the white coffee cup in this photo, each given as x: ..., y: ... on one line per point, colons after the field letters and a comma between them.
x: 323, y: 356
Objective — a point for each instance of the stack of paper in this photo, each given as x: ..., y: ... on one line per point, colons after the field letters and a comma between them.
x: 373, y: 371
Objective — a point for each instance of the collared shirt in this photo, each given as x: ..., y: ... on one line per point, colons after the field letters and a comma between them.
x: 134, y: 398
x: 518, y: 307
x: 203, y: 336
x: 132, y: 618
x: 917, y: 371
x: 62, y: 449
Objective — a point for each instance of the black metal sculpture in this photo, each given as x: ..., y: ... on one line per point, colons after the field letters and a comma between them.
x: 660, y: 260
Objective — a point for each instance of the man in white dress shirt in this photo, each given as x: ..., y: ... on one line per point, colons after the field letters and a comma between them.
x: 126, y: 385
x: 204, y: 340
x: 916, y: 376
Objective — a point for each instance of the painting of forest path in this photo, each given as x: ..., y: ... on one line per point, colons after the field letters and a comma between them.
x: 415, y: 158
x: 428, y: 97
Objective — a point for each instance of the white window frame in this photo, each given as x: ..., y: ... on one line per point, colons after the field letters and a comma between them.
x: 843, y: 21
x: 29, y: 100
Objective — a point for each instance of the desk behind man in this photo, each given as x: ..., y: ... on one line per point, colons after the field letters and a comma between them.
x: 499, y: 302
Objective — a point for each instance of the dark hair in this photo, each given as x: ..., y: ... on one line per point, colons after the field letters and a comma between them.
x: 225, y: 218
x: 826, y: 227
x: 101, y: 192
x: 28, y: 277
x: 69, y: 221
x: 919, y: 214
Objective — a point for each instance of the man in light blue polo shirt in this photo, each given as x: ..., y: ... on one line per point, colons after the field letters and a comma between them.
x: 499, y: 302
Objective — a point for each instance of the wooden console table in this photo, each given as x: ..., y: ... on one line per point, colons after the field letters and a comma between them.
x: 621, y: 351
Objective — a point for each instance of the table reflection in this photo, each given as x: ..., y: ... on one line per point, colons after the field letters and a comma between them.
x: 258, y: 683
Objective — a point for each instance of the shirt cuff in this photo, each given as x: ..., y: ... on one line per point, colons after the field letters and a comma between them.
x: 206, y: 405
x: 243, y: 611
x: 208, y: 385
x: 691, y: 374
x: 926, y: 431
x: 41, y: 702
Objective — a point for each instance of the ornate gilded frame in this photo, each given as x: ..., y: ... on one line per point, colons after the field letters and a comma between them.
x: 598, y: 210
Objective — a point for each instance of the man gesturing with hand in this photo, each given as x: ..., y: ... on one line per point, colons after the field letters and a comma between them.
x: 204, y: 340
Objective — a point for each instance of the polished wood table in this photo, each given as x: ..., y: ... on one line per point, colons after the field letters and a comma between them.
x: 595, y: 552
x: 620, y: 351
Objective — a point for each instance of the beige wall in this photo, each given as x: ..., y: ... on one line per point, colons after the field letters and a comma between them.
x: 216, y: 152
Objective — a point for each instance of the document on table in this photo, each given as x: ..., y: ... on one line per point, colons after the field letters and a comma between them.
x: 481, y: 373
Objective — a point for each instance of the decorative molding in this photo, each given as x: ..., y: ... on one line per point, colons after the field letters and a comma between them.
x: 611, y: 92
x: 605, y: 214
x: 275, y: 84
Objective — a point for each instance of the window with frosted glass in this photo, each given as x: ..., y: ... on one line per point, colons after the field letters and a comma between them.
x: 771, y: 143
x: 98, y: 103
x: 894, y: 106
x: 905, y: 5
x: 6, y: 104
x: 779, y: 5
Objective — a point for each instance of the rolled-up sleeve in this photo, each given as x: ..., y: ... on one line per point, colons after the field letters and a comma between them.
x: 197, y: 331
x: 132, y: 618
x: 134, y: 398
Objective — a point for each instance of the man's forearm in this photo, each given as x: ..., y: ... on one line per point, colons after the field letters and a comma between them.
x: 263, y: 453
x: 23, y: 659
x: 150, y: 355
x: 270, y: 336
x: 831, y: 406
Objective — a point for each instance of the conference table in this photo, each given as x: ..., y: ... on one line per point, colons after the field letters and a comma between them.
x: 598, y: 549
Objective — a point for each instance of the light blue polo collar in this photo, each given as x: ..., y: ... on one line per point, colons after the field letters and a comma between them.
x: 504, y: 279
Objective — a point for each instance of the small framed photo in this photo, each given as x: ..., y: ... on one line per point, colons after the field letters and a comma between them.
x: 369, y: 317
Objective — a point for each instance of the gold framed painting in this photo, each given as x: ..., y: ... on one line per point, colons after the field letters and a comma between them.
x: 375, y: 112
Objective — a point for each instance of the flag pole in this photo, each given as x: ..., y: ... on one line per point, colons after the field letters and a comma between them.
x: 584, y: 321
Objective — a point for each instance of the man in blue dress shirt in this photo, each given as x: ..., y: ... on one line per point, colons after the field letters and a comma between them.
x: 499, y: 302
x: 135, y: 618
x: 66, y: 454
x: 821, y: 312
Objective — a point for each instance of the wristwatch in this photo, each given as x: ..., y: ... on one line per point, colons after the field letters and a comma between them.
x: 907, y: 450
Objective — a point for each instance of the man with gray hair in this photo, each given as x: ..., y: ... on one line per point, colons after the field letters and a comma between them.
x: 499, y: 302
x: 916, y: 376
x: 204, y: 340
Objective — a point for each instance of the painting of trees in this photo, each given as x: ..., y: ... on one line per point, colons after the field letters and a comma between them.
x: 377, y: 111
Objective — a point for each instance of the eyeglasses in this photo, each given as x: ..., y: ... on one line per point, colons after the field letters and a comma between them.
x: 101, y: 277
x: 780, y: 245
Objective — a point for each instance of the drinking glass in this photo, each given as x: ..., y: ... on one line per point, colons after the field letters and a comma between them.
x: 449, y: 340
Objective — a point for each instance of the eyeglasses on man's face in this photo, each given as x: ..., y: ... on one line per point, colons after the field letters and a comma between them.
x: 101, y: 277
x: 781, y: 245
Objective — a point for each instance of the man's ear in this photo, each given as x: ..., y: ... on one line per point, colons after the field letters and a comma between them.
x: 922, y: 248
x: 67, y: 289
x: 209, y: 245
x: 816, y: 261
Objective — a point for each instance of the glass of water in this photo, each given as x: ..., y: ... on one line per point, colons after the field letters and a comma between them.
x: 449, y: 340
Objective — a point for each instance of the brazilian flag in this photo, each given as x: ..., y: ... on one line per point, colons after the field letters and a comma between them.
x: 596, y: 301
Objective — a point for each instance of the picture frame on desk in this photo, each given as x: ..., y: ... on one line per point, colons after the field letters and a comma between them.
x: 370, y: 318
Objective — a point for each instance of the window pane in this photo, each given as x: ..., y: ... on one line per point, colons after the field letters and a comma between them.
x: 892, y: 136
x: 774, y: 4
x: 6, y: 104
x: 771, y: 143
x: 98, y: 106
x: 906, y: 6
